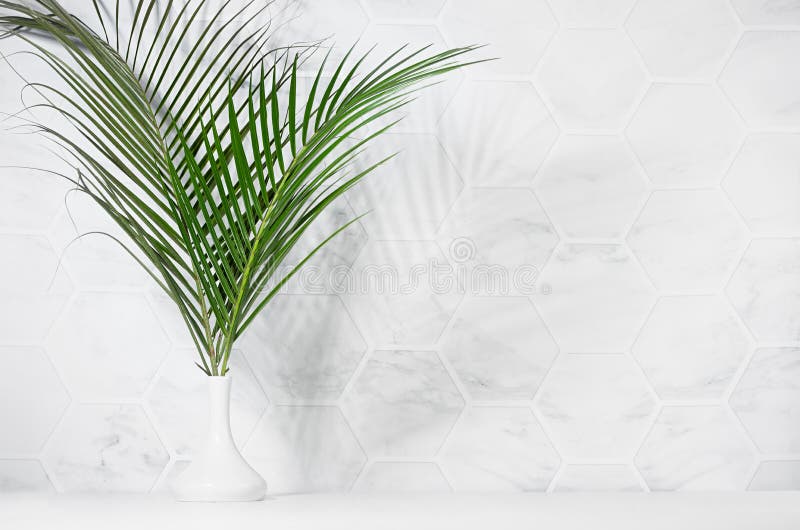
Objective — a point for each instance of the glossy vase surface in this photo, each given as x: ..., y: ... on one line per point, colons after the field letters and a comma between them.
x: 219, y: 473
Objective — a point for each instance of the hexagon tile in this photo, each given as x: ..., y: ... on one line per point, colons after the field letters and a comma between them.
x: 776, y: 476
x: 695, y: 448
x: 683, y: 38
x: 691, y: 347
x: 588, y: 418
x: 107, y: 345
x: 105, y: 448
x: 491, y: 264
x: 31, y: 402
x: 419, y: 187
x: 594, y: 298
x: 34, y: 288
x: 592, y: 78
x: 499, y: 348
x: 580, y: 13
x: 29, y: 200
x: 487, y: 143
x: 499, y: 449
x: 765, y: 291
x: 305, y: 449
x: 303, y: 348
x: 517, y: 41
x: 761, y: 13
x: 18, y: 476
x: 767, y: 399
x: 398, y: 293
x: 685, y: 135
x: 765, y: 91
x: 688, y: 240
x: 763, y: 183
x: 402, y: 404
x: 592, y: 186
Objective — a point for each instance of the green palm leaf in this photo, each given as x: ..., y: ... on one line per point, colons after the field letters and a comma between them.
x: 210, y: 160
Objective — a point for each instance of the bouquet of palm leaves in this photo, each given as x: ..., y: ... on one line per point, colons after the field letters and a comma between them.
x: 187, y: 126
x: 197, y: 142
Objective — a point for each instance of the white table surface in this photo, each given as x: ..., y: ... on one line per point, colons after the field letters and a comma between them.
x: 585, y: 511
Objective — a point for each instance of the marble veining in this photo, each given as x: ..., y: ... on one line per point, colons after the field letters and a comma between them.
x: 478, y: 216
x: 765, y: 92
x: 592, y: 78
x: 303, y: 348
x: 587, y: 416
x: 685, y: 135
x: 683, y: 38
x: 105, y: 448
x: 695, y: 448
x: 499, y: 448
x: 587, y: 13
x: 594, y: 298
x: 37, y: 291
x: 29, y: 200
x: 592, y: 186
x: 403, y: 403
x: 499, y: 347
x: 765, y: 289
x: 510, y: 149
x: 34, y: 391
x: 767, y: 399
x: 517, y: 41
x: 688, y: 240
x: 114, y: 361
x: 768, y: 12
x: 23, y: 476
x: 691, y: 347
x: 763, y: 182
x: 395, y: 295
x: 305, y: 449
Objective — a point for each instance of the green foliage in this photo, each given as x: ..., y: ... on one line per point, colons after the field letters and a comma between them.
x: 210, y: 160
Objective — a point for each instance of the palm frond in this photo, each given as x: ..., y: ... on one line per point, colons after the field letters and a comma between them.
x: 200, y: 146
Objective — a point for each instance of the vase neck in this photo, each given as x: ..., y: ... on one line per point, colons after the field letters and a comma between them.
x: 219, y: 398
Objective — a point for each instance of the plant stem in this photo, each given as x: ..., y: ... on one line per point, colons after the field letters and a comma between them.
x: 201, y: 297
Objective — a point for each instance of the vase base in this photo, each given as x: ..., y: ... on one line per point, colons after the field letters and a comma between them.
x: 226, y: 487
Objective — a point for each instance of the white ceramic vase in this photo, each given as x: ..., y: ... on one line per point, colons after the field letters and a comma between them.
x: 219, y: 473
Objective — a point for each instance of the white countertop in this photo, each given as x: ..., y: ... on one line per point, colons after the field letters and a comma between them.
x: 585, y: 511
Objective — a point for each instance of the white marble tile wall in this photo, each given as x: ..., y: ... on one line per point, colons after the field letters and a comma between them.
x: 593, y: 256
